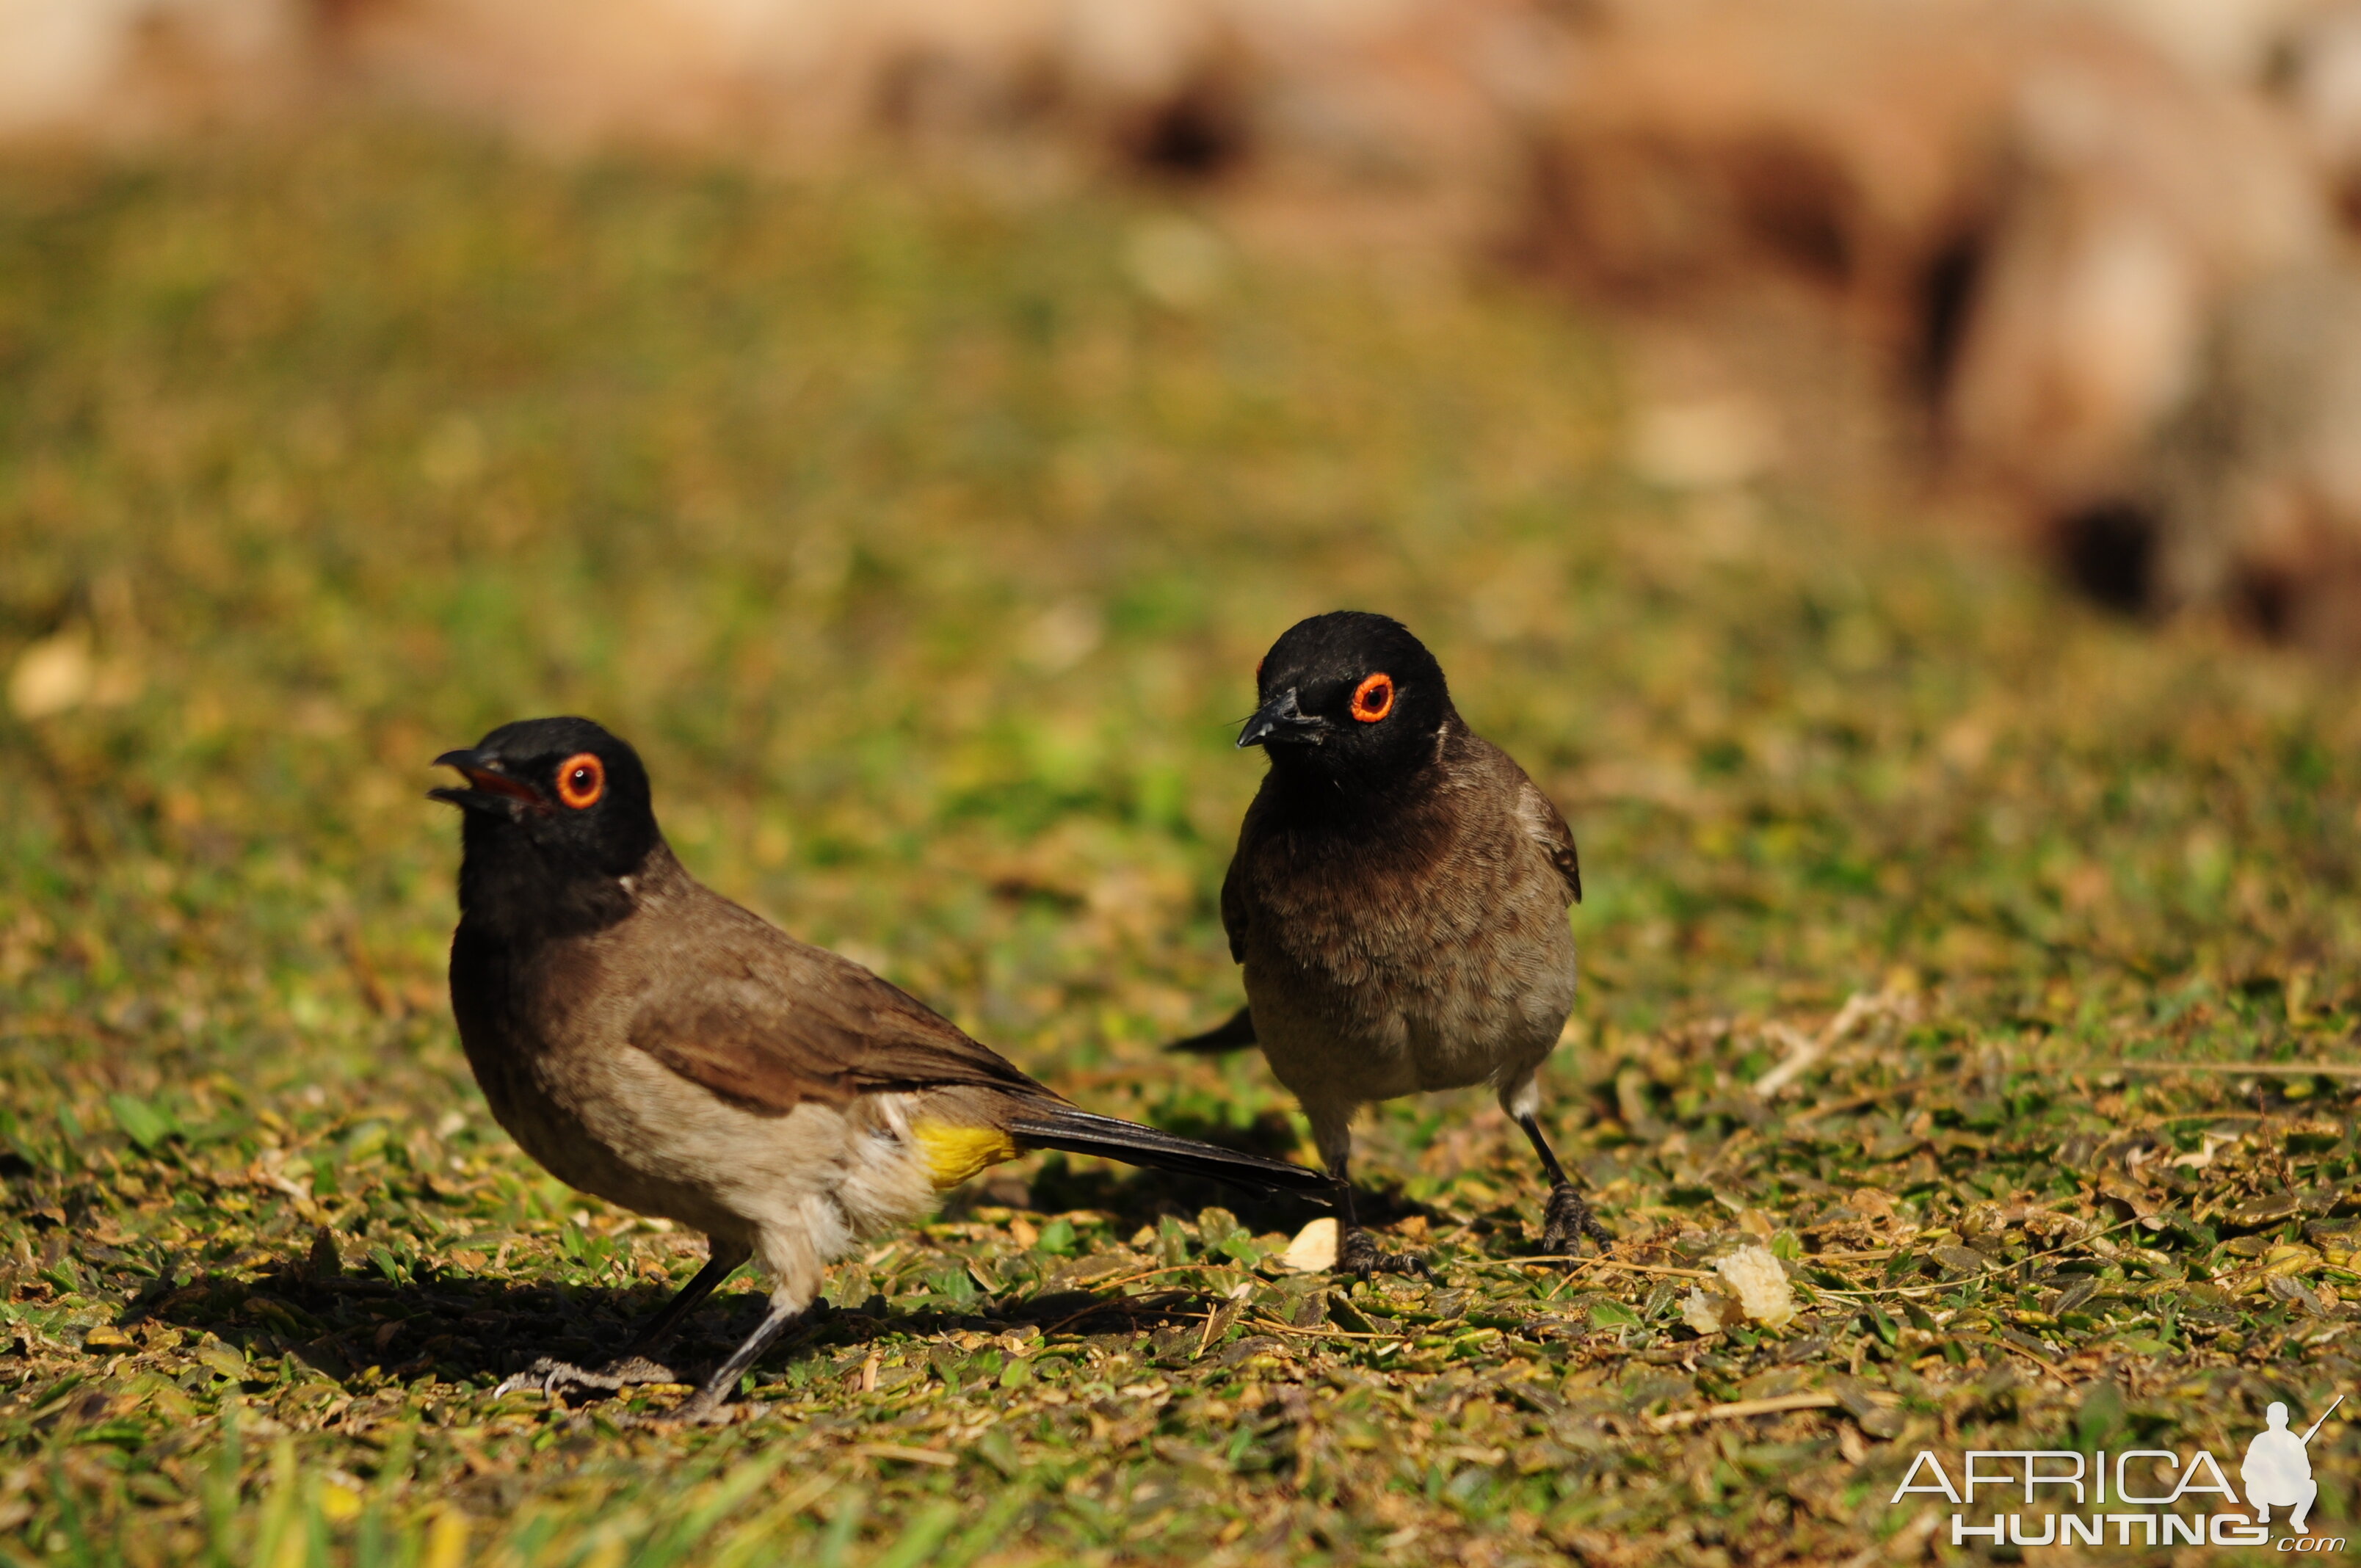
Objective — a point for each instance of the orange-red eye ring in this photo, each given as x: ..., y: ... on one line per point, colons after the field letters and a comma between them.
x: 581, y: 779
x: 1373, y: 698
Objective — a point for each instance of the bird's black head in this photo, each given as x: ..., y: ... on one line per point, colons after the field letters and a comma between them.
x: 557, y: 814
x: 1350, y: 697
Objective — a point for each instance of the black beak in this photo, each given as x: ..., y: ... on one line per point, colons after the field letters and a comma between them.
x: 1280, y: 722
x: 489, y: 789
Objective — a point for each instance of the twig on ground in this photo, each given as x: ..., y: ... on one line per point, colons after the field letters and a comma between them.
x: 2260, y: 1069
x: 1677, y: 1421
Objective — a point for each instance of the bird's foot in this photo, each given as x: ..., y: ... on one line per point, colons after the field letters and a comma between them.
x: 555, y: 1378
x: 1566, y: 1220
x: 1358, y: 1254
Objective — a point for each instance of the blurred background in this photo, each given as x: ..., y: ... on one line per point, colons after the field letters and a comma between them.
x: 2077, y: 271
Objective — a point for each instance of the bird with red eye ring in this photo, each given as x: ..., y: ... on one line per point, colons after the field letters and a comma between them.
x: 650, y: 1041
x: 581, y: 779
x: 1399, y: 901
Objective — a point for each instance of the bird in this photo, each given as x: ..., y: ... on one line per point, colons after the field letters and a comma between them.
x: 652, y: 1043
x: 1399, y: 902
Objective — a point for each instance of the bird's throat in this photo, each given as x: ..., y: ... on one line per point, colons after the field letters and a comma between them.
x: 519, y: 892
x: 1311, y: 789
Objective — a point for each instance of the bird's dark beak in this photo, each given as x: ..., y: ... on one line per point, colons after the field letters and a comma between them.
x: 1280, y: 722
x: 488, y: 788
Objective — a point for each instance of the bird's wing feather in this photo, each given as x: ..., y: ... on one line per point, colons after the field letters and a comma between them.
x: 1235, y: 1033
x: 1547, y: 825
x: 1233, y: 892
x: 1233, y: 912
x: 789, y: 1023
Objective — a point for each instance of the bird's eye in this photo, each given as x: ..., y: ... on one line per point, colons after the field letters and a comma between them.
x: 1373, y: 698
x: 581, y: 779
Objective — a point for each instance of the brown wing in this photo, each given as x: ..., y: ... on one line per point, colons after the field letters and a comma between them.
x: 1233, y: 893
x: 1547, y: 825
x: 769, y: 1022
x: 1234, y: 914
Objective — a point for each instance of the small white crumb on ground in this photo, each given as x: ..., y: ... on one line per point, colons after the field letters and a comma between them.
x: 1313, y: 1250
x: 1709, y: 1314
x: 1755, y: 1277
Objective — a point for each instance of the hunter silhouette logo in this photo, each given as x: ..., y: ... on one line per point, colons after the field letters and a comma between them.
x: 2278, y: 1468
x: 2143, y: 1496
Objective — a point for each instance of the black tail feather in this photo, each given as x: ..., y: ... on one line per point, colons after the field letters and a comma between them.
x: 1235, y: 1033
x: 1110, y: 1137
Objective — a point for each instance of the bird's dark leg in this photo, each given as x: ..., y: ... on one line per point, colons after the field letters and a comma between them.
x: 1567, y: 1219
x: 553, y: 1377
x: 1356, y: 1250
x: 706, y: 1402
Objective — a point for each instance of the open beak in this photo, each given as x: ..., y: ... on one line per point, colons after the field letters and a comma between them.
x: 489, y: 789
x: 1279, y: 721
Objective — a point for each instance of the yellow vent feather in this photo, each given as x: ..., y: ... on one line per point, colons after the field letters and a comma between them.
x: 953, y: 1154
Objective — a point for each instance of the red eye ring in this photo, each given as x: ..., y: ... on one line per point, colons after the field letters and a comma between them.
x: 581, y: 779
x: 1373, y: 698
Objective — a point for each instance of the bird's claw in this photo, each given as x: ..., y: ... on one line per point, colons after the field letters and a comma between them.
x: 544, y: 1373
x: 1566, y: 1220
x: 1358, y: 1254
x: 555, y: 1378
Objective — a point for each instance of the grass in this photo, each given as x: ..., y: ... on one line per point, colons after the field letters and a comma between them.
x: 925, y: 544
